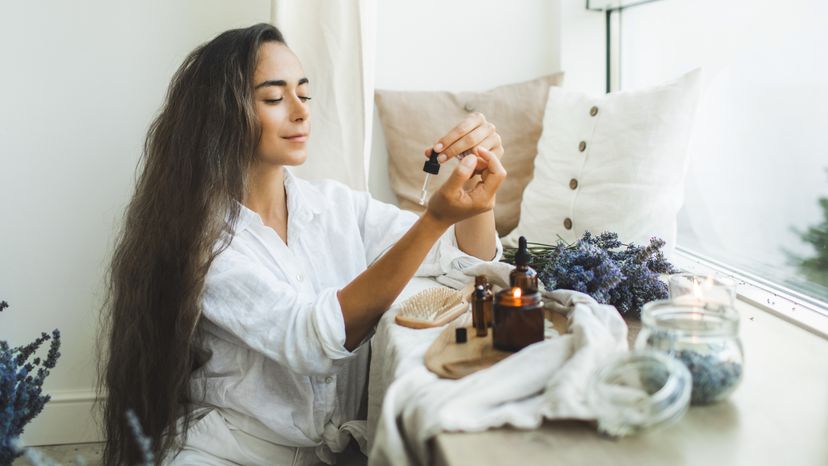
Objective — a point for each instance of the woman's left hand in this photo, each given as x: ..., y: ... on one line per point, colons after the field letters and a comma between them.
x: 470, y: 134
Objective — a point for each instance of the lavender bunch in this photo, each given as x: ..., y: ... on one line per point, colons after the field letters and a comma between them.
x: 623, y: 275
x: 21, y: 385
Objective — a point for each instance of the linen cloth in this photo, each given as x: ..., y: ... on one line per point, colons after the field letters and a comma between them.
x: 408, y: 405
x: 279, y: 369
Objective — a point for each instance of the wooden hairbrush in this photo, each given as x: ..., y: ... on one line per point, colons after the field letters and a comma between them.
x: 433, y: 307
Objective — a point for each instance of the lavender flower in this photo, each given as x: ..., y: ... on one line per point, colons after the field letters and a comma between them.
x: 21, y: 382
x: 623, y: 275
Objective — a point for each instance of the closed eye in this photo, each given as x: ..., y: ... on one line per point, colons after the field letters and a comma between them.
x: 276, y: 101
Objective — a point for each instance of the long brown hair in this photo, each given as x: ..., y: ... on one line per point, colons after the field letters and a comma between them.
x: 192, y: 175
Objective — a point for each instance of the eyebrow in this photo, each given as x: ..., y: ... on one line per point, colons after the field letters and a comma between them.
x: 279, y: 82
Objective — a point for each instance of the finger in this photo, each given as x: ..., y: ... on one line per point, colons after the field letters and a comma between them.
x: 462, y: 172
x: 495, y: 144
x: 470, y: 140
x: 491, y: 143
x: 495, y: 173
x: 468, y: 124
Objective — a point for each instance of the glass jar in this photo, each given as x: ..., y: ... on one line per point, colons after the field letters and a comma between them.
x: 704, y: 337
x: 638, y: 391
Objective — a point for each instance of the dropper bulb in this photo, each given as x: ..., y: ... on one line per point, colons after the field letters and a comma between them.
x: 522, y: 257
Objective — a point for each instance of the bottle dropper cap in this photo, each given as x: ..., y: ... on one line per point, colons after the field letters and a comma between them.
x: 432, y: 165
x: 522, y: 256
x: 479, y: 292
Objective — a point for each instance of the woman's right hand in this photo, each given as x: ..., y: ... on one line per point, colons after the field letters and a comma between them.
x: 454, y: 202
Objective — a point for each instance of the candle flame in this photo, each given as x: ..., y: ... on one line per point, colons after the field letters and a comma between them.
x: 517, y: 292
x: 697, y: 291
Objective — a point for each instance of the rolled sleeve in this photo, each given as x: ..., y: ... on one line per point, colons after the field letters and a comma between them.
x: 382, y: 225
x: 447, y: 257
x: 271, y: 317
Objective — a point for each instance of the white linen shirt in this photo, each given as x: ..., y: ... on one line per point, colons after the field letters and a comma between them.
x: 273, y: 323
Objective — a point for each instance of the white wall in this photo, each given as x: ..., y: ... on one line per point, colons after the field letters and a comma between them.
x: 79, y: 84
x: 459, y: 45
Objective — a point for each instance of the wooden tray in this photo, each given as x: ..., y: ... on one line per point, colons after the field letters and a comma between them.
x: 450, y: 360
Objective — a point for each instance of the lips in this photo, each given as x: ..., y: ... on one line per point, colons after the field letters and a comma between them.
x: 298, y: 137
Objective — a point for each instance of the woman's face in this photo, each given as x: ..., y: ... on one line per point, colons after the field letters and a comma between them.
x: 281, y: 94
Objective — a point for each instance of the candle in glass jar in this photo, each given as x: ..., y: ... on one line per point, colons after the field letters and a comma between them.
x: 705, y: 291
x: 518, y: 319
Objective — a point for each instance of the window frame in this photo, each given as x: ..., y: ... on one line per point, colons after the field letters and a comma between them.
x: 804, y: 311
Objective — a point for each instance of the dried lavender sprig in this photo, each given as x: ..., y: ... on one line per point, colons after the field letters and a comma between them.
x: 612, y: 272
x: 21, y: 383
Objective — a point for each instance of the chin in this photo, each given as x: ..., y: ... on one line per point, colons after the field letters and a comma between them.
x: 288, y: 158
x: 295, y: 158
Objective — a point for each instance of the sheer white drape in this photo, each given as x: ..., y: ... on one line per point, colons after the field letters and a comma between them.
x: 334, y: 40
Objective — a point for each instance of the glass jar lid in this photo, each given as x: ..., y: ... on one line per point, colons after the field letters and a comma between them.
x: 639, y: 390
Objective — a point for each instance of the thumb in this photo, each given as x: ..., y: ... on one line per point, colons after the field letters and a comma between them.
x: 462, y: 173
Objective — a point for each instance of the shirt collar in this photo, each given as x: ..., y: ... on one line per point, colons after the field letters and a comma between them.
x: 304, y: 201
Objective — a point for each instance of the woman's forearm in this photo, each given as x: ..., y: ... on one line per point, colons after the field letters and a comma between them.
x: 476, y: 236
x: 365, y: 299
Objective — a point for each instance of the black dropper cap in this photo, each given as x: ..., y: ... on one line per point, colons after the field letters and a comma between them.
x: 479, y: 292
x: 432, y: 165
x: 522, y: 256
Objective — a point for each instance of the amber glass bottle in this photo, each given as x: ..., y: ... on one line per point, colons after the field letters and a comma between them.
x: 523, y: 277
x: 488, y: 298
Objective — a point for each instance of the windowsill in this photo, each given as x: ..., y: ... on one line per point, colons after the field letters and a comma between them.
x: 805, y: 312
x: 776, y: 415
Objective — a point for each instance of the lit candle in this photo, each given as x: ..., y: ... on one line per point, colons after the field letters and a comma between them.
x: 518, y: 319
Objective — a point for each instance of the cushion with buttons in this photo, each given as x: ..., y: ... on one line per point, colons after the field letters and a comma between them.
x: 413, y: 121
x: 615, y: 162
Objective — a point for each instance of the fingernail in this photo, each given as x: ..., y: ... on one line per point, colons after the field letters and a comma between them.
x: 438, y: 147
x: 442, y: 158
x: 469, y: 161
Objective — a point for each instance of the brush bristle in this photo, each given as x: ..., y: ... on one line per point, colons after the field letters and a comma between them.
x: 429, y: 304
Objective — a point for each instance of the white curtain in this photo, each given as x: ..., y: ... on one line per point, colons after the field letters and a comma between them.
x: 334, y: 40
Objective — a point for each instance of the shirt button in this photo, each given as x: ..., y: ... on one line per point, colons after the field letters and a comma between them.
x: 573, y: 183
x: 593, y: 111
x: 300, y: 277
x: 582, y: 146
x: 469, y: 107
x: 328, y: 379
x: 568, y: 223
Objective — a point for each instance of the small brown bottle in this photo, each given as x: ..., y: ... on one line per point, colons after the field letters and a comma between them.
x: 523, y: 277
x: 481, y: 310
x: 481, y: 280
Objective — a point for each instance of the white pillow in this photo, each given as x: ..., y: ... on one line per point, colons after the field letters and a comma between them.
x: 614, y: 162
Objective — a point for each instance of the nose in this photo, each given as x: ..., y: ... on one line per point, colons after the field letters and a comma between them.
x: 300, y: 110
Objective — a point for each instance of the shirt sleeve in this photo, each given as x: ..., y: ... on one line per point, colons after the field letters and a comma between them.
x: 382, y: 225
x: 243, y: 298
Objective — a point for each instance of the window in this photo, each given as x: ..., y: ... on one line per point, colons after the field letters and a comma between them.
x: 757, y: 186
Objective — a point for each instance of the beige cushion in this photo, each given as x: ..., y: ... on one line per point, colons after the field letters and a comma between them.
x: 414, y: 121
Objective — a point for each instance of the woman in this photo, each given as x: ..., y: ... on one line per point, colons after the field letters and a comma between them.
x: 240, y: 295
